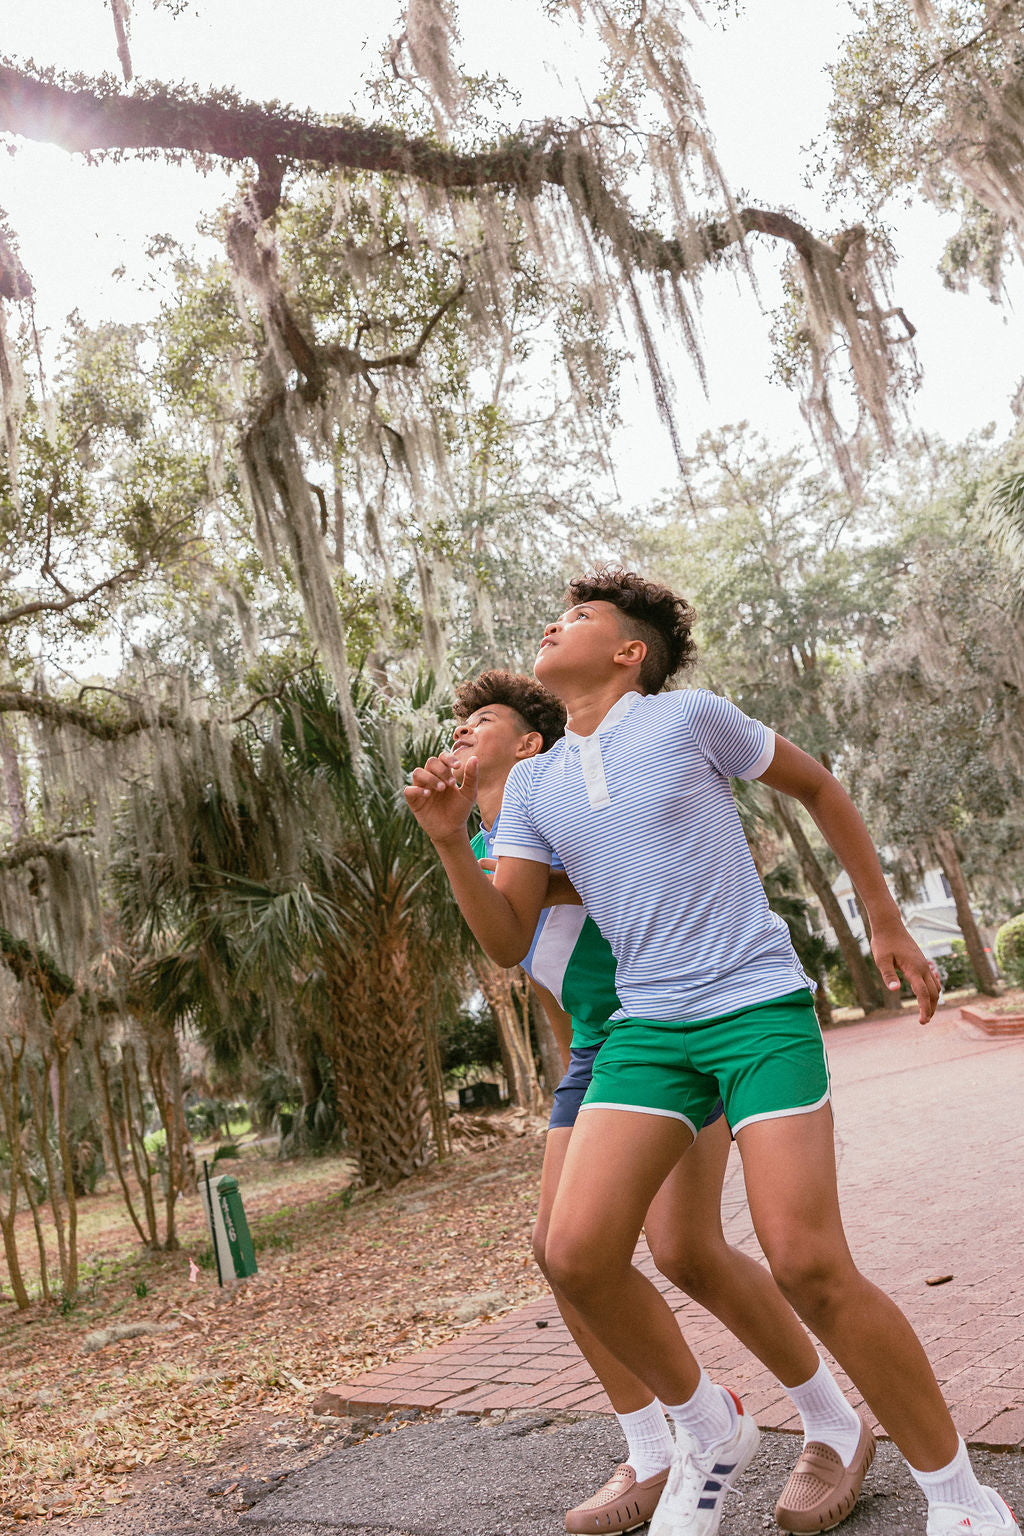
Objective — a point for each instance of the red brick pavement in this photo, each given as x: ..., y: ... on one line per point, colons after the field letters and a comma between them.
x: 930, y: 1131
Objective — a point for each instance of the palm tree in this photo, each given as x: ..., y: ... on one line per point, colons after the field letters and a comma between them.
x: 1005, y: 513
x: 300, y: 907
x: 396, y: 960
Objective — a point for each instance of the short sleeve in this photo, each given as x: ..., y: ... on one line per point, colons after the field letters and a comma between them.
x: 517, y: 837
x: 738, y: 746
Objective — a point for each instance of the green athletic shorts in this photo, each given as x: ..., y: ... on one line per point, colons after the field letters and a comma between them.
x: 764, y: 1061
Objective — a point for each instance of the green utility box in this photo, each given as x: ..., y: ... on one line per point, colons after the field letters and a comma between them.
x: 229, y: 1230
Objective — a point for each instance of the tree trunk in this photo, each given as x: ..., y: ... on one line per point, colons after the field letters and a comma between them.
x: 310, y: 1080
x: 822, y: 1002
x: 949, y: 859
x: 376, y: 1045
x: 165, y: 1081
x: 866, y: 985
x: 508, y: 995
x: 21, y: 1296
x: 33, y: 1205
x: 108, y: 1109
x: 547, y: 1046
x: 69, y: 1267
x: 140, y: 1157
x: 12, y: 781
x: 10, y: 1089
x: 40, y: 1101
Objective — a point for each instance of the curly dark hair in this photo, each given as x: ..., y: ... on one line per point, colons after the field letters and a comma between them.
x: 650, y: 613
x: 538, y: 709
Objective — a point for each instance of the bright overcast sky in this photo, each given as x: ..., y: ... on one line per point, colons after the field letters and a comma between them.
x: 765, y: 89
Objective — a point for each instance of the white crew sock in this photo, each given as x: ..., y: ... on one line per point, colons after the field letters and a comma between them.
x: 709, y: 1415
x: 649, y: 1440
x: 826, y: 1415
x: 956, y: 1484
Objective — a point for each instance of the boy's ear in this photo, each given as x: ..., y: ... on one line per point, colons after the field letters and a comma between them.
x: 530, y: 744
x: 631, y: 653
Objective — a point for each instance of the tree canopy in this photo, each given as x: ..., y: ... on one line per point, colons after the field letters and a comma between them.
x: 352, y: 452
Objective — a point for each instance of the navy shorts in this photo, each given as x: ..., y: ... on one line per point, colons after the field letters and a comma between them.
x: 570, y: 1091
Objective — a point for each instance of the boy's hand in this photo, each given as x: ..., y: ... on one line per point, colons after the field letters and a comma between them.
x: 893, y: 949
x: 440, y: 804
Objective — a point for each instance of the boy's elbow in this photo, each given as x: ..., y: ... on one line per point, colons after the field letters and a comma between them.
x: 504, y: 944
x: 507, y: 954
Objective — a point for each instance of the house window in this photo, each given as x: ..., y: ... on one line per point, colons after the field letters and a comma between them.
x: 947, y: 888
x: 851, y: 907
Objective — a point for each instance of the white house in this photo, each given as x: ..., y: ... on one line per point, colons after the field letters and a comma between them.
x: 930, y: 917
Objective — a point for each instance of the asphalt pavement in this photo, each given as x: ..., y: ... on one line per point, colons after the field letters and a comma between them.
x: 459, y: 1475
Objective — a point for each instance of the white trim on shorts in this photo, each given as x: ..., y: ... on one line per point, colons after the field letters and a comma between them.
x: 643, y: 1109
x: 783, y: 1114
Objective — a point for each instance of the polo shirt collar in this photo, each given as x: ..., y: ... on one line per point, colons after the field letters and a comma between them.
x: 619, y: 710
x: 589, y: 748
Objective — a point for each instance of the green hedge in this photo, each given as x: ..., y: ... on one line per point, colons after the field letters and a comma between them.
x: 1010, y: 949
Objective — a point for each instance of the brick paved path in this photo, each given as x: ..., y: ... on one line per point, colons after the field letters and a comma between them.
x: 930, y: 1130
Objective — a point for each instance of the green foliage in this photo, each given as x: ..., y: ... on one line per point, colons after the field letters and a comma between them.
x: 955, y: 968
x: 840, y: 987
x: 815, y: 953
x: 270, y: 1233
x: 470, y: 1039
x: 913, y: 106
x: 1009, y: 949
x: 788, y: 577
x: 203, y: 1118
x: 933, y: 711
x: 156, y: 1142
x: 1005, y: 511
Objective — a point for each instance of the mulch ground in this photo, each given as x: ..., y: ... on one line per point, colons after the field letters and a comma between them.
x: 347, y: 1280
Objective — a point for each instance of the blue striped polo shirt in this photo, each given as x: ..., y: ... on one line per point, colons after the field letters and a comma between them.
x: 642, y: 816
x: 569, y: 957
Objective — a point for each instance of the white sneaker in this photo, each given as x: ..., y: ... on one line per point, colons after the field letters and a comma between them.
x: 698, y: 1481
x: 955, y: 1520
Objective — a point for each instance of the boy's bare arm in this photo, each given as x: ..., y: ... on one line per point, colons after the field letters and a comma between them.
x: 502, y: 915
x: 794, y: 772
x: 560, y: 892
x: 561, y: 1023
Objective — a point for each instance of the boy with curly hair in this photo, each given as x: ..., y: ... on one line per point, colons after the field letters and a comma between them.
x: 504, y: 719
x: 635, y: 801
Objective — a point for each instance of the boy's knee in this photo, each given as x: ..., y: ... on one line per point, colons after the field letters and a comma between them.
x: 573, y: 1270
x: 812, y: 1280
x: 540, y: 1238
x: 691, y: 1268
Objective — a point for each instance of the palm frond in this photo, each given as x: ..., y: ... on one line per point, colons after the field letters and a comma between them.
x: 1004, y: 512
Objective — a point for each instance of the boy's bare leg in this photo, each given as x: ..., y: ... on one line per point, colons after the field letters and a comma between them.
x: 614, y: 1165
x: 616, y: 1162
x: 635, y: 1486
x: 684, y: 1231
x: 790, y: 1173
x: 626, y: 1392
